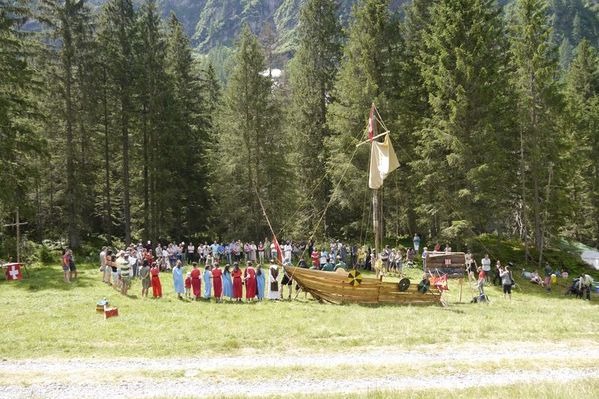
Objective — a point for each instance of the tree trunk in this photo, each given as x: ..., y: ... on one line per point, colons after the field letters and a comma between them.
x: 107, y: 198
x: 73, y: 231
x: 125, y: 145
x: 145, y: 177
x: 523, y: 216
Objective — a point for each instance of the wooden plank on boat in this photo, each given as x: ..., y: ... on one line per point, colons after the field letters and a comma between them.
x: 334, y: 288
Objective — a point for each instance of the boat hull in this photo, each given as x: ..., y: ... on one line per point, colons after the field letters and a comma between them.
x: 333, y: 287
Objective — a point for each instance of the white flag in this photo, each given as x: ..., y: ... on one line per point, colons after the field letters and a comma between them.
x: 382, y: 162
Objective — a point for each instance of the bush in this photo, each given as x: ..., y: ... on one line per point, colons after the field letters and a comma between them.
x: 46, y: 255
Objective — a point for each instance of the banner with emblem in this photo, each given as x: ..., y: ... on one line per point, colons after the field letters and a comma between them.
x: 13, y: 271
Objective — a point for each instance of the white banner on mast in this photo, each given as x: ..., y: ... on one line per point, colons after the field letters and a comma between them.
x: 382, y: 162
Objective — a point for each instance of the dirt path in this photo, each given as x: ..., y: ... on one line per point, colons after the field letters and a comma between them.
x: 80, y: 378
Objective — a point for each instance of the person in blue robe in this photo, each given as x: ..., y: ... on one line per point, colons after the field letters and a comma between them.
x: 207, y: 282
x: 260, y: 279
x: 178, y: 279
x: 227, y: 283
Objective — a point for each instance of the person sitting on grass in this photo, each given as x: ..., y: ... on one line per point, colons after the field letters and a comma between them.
x: 340, y: 264
x: 536, y: 279
x: 328, y: 266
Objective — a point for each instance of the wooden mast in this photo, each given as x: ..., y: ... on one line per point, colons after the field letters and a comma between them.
x: 377, y: 221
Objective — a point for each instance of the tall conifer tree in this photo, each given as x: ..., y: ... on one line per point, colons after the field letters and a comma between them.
x: 535, y: 62
x: 313, y: 71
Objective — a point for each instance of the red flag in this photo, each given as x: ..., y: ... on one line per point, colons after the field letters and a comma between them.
x: 278, y: 248
x: 440, y: 282
x: 372, y: 123
x: 13, y: 271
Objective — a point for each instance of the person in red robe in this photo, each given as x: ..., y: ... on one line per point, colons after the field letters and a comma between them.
x: 315, y: 255
x: 196, y: 281
x: 217, y: 283
x: 249, y: 275
x: 188, y: 286
x: 237, y: 287
x: 156, y: 286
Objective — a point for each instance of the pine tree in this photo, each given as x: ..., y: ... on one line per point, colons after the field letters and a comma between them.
x: 582, y: 97
x: 251, y: 158
x: 117, y: 33
x: 68, y: 40
x: 20, y: 141
x: 365, y: 76
x: 313, y: 71
x: 154, y: 87
x: 189, y: 134
x: 465, y: 144
x: 535, y: 62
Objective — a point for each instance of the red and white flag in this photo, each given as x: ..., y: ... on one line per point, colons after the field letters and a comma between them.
x: 278, y: 248
x: 13, y: 271
x: 440, y: 282
x: 372, y: 123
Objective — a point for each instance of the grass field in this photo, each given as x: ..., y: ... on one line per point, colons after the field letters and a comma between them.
x: 43, y: 317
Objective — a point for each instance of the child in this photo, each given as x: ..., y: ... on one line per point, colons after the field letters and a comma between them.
x: 188, y: 286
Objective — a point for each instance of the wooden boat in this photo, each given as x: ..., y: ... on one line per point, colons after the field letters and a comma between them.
x: 339, y: 287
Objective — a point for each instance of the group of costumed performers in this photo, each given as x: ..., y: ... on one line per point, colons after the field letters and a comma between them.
x: 231, y: 282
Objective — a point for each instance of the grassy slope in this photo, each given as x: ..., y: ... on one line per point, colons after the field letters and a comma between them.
x: 44, y: 317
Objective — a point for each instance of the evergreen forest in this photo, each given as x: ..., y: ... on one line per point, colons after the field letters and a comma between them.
x: 114, y: 128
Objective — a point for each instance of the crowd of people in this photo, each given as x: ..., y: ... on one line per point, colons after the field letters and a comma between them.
x: 237, y: 270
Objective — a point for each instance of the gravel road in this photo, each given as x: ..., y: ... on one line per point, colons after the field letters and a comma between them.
x: 48, y: 375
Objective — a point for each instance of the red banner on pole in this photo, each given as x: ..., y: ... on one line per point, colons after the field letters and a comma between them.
x: 13, y: 271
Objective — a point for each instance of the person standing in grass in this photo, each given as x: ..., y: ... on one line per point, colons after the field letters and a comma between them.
x: 227, y: 283
x: 156, y: 286
x: 107, y: 266
x: 315, y: 258
x: 481, y: 281
x: 274, y: 283
x: 260, y: 280
x: 103, y: 259
x: 144, y: 274
x: 217, y: 281
x: 188, y: 286
x: 178, y: 279
x: 196, y: 283
x: 125, y: 272
x: 261, y: 252
x: 249, y: 276
x: 237, y: 285
x: 66, y: 262
x: 486, y: 267
x: 506, y: 281
x: 207, y: 281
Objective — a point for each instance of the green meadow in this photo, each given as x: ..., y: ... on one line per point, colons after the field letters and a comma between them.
x: 44, y: 317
